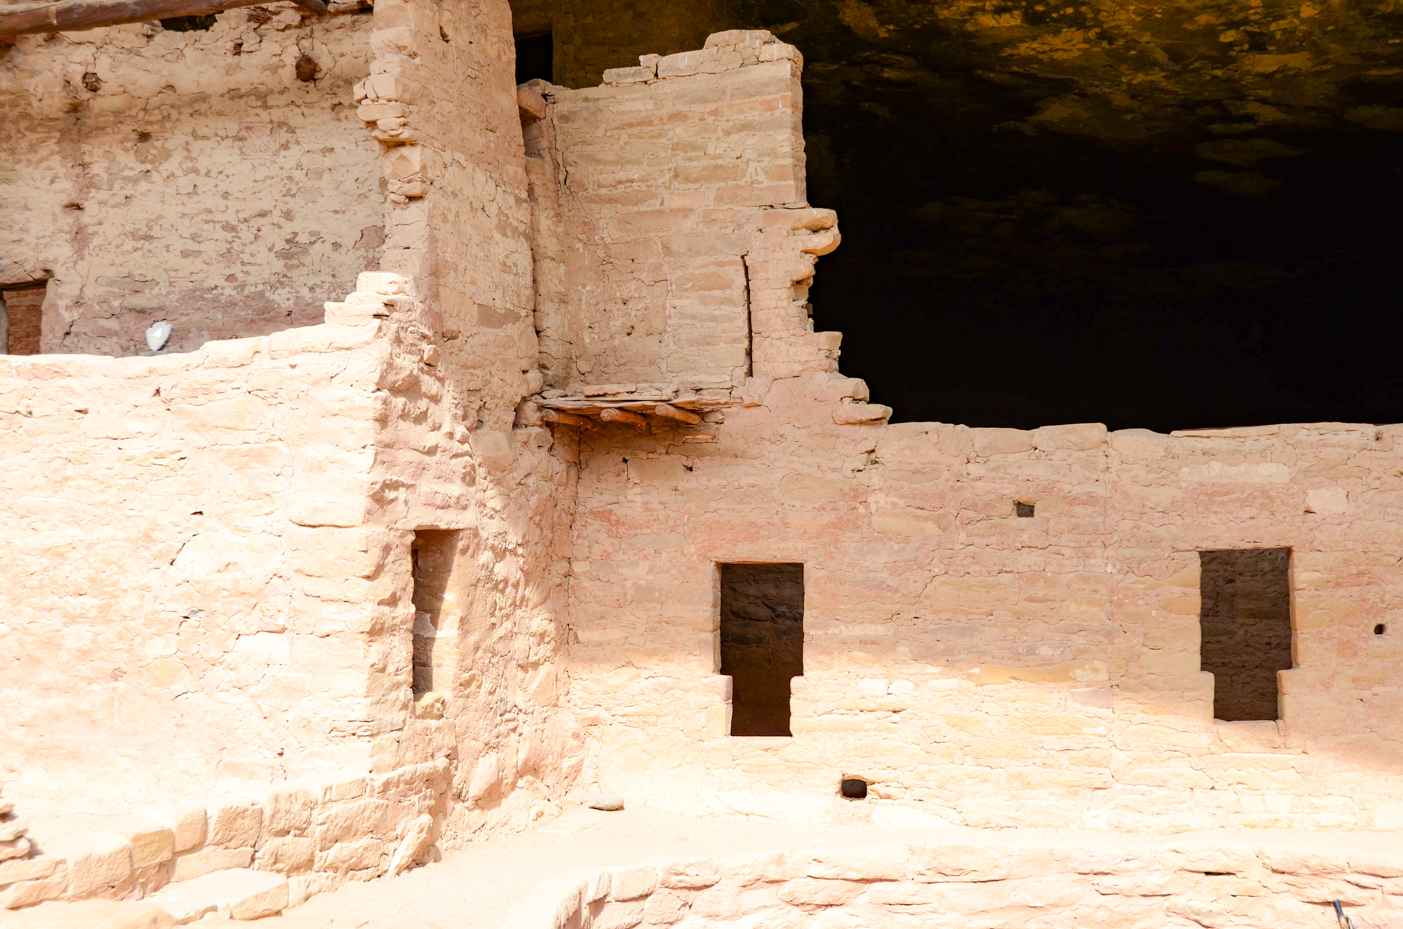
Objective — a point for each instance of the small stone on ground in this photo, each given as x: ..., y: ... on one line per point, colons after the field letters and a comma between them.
x: 608, y: 802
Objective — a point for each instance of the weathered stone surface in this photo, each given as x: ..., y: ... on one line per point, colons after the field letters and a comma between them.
x: 90, y: 914
x: 606, y: 802
x: 237, y: 894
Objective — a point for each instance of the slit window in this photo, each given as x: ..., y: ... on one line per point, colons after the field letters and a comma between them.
x: 434, y: 556
x: 762, y: 643
x: 1245, y: 622
x: 535, y: 56
x: 21, y: 319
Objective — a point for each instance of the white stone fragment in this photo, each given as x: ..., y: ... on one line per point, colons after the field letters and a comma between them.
x: 158, y: 334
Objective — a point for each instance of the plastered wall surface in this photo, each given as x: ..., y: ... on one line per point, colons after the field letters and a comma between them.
x: 188, y: 581
x: 188, y: 177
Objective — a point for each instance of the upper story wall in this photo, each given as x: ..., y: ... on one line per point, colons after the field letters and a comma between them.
x: 216, y: 179
x: 652, y: 194
x: 441, y: 99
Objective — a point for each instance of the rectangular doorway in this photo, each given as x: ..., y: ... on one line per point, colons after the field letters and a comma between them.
x: 1245, y: 622
x: 762, y: 643
x: 21, y: 318
x: 535, y: 55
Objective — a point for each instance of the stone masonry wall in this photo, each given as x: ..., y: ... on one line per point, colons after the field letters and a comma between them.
x: 306, y: 461
x: 442, y: 103
x: 192, y: 566
x: 1041, y: 882
x: 189, y: 176
x: 974, y: 665
x: 981, y: 667
x: 650, y: 193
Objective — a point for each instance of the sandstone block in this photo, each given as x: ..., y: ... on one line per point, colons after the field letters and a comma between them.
x: 620, y: 916
x: 1303, y: 862
x: 235, y: 823
x: 878, y: 863
x: 287, y: 855
x: 151, y: 841
x: 632, y: 883
x: 287, y: 809
x: 91, y: 914
x: 961, y: 863
x: 361, y: 855
x: 191, y: 865
x: 417, y: 836
x: 28, y: 869
x: 636, y: 75
x: 97, y: 862
x: 28, y: 893
x: 815, y: 892
x: 689, y: 875
x: 236, y: 894
x: 665, y: 908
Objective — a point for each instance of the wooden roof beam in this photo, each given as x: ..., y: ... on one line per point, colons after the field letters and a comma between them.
x: 76, y: 15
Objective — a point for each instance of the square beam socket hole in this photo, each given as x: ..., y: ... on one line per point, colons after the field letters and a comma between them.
x: 854, y: 788
x: 1023, y: 509
x: 1380, y: 629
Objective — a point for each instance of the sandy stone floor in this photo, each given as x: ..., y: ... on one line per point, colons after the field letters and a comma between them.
x: 473, y: 887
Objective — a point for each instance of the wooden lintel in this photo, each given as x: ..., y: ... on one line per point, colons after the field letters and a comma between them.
x: 667, y: 411
x: 76, y: 15
x: 566, y: 419
x: 613, y: 415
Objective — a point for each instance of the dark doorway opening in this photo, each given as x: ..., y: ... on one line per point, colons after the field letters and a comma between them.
x: 1245, y: 622
x: 21, y: 318
x: 433, y: 554
x: 535, y: 55
x: 762, y: 643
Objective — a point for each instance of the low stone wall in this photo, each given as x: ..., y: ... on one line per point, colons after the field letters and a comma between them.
x: 1103, y: 883
x: 193, y: 562
x: 319, y: 831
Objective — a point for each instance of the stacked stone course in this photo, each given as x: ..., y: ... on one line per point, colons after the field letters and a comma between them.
x: 317, y: 831
x: 1028, y: 883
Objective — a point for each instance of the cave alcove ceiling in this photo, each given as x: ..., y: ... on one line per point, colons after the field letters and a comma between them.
x: 1168, y: 215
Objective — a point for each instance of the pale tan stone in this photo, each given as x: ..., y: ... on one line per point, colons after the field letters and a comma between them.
x: 91, y: 914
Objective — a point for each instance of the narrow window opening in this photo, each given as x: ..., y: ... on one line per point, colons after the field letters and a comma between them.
x: 535, y: 56
x: 21, y: 319
x: 762, y: 643
x: 433, y: 557
x: 1380, y: 629
x: 1023, y: 509
x: 1245, y: 621
x: 854, y: 788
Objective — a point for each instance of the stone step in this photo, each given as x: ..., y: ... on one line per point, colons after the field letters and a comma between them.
x: 236, y: 893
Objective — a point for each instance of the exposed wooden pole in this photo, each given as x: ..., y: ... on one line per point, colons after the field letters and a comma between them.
x: 75, y: 15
